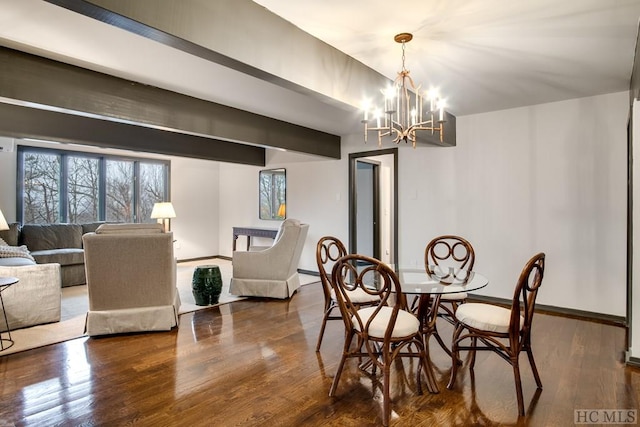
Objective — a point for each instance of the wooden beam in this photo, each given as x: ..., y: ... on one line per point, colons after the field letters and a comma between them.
x: 43, y: 82
x: 24, y: 122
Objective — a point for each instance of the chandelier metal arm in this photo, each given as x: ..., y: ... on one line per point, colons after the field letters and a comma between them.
x: 400, y: 118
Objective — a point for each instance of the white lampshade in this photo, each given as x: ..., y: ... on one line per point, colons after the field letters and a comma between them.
x: 163, y: 210
x: 3, y: 222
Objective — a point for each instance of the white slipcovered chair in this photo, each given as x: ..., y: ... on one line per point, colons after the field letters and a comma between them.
x: 272, y: 272
x: 131, y: 279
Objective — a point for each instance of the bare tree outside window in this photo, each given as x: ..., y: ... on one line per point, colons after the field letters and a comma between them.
x: 272, y: 193
x: 152, y: 188
x: 41, y: 188
x: 78, y: 187
x: 119, y: 191
x: 83, y: 189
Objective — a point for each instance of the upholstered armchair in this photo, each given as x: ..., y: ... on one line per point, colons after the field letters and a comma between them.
x: 131, y: 279
x: 272, y: 272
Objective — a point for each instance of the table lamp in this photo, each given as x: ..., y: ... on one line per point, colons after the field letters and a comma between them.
x: 3, y: 222
x: 163, y: 212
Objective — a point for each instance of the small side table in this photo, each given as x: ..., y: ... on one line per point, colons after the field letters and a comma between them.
x: 206, y: 284
x: 5, y: 282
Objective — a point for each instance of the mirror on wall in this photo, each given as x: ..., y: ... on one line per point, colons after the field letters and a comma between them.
x: 272, y: 188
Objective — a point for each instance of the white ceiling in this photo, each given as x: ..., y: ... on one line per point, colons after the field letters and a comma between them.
x: 484, y: 55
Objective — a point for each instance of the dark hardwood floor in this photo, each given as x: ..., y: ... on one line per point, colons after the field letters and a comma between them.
x: 253, y: 363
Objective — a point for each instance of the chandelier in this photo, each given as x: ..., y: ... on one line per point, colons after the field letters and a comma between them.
x: 405, y: 110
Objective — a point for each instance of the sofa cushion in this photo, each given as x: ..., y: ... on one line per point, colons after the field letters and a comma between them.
x: 16, y: 262
x: 68, y: 256
x: 39, y: 237
x: 11, y: 235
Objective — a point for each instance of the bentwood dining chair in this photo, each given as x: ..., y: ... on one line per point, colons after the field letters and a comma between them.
x: 328, y: 250
x: 505, y: 331
x: 444, y: 252
x: 385, y: 331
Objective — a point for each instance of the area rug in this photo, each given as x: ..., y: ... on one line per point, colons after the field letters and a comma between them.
x: 75, y: 304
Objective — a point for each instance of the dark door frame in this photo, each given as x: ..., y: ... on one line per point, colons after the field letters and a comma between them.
x: 352, y: 202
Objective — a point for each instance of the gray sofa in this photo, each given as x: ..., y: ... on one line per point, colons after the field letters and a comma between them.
x: 51, y: 244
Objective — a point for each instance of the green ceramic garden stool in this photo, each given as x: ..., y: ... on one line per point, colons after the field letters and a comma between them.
x: 206, y: 284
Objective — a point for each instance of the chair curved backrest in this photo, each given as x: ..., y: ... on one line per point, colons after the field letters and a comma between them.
x: 328, y: 250
x: 449, y: 251
x: 359, y: 272
x: 524, y: 297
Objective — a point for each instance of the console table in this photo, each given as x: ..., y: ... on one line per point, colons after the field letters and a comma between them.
x: 253, y: 232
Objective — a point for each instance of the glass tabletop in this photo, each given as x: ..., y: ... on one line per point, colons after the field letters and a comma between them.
x: 440, y: 280
x: 7, y: 281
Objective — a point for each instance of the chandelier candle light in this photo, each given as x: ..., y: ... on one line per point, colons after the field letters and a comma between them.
x: 405, y: 110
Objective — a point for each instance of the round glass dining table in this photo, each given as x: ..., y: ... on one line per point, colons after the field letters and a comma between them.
x: 430, y: 284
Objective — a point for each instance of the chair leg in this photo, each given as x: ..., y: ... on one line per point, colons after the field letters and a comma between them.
x: 474, y: 344
x: 534, y: 368
x: 345, y: 354
x: 386, y: 404
x: 516, y: 374
x: 455, y: 356
x: 327, y: 312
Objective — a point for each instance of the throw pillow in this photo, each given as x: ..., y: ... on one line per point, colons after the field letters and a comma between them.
x: 15, y: 252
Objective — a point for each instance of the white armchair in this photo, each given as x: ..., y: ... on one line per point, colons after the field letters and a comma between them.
x: 131, y: 279
x: 272, y: 272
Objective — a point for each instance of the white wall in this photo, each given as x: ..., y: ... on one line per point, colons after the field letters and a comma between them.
x: 317, y: 194
x: 546, y: 178
x: 196, y: 200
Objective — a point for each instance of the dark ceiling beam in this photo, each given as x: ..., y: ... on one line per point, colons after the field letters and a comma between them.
x: 43, y: 82
x: 23, y: 122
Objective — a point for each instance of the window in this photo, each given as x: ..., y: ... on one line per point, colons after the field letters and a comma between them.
x: 83, y: 185
x: 273, y: 194
x: 71, y: 186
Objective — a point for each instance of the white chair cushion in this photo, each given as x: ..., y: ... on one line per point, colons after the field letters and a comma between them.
x: 406, y: 323
x: 486, y: 317
x: 358, y: 296
x: 458, y: 296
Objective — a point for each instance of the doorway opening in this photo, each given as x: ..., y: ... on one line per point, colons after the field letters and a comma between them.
x: 373, y: 204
